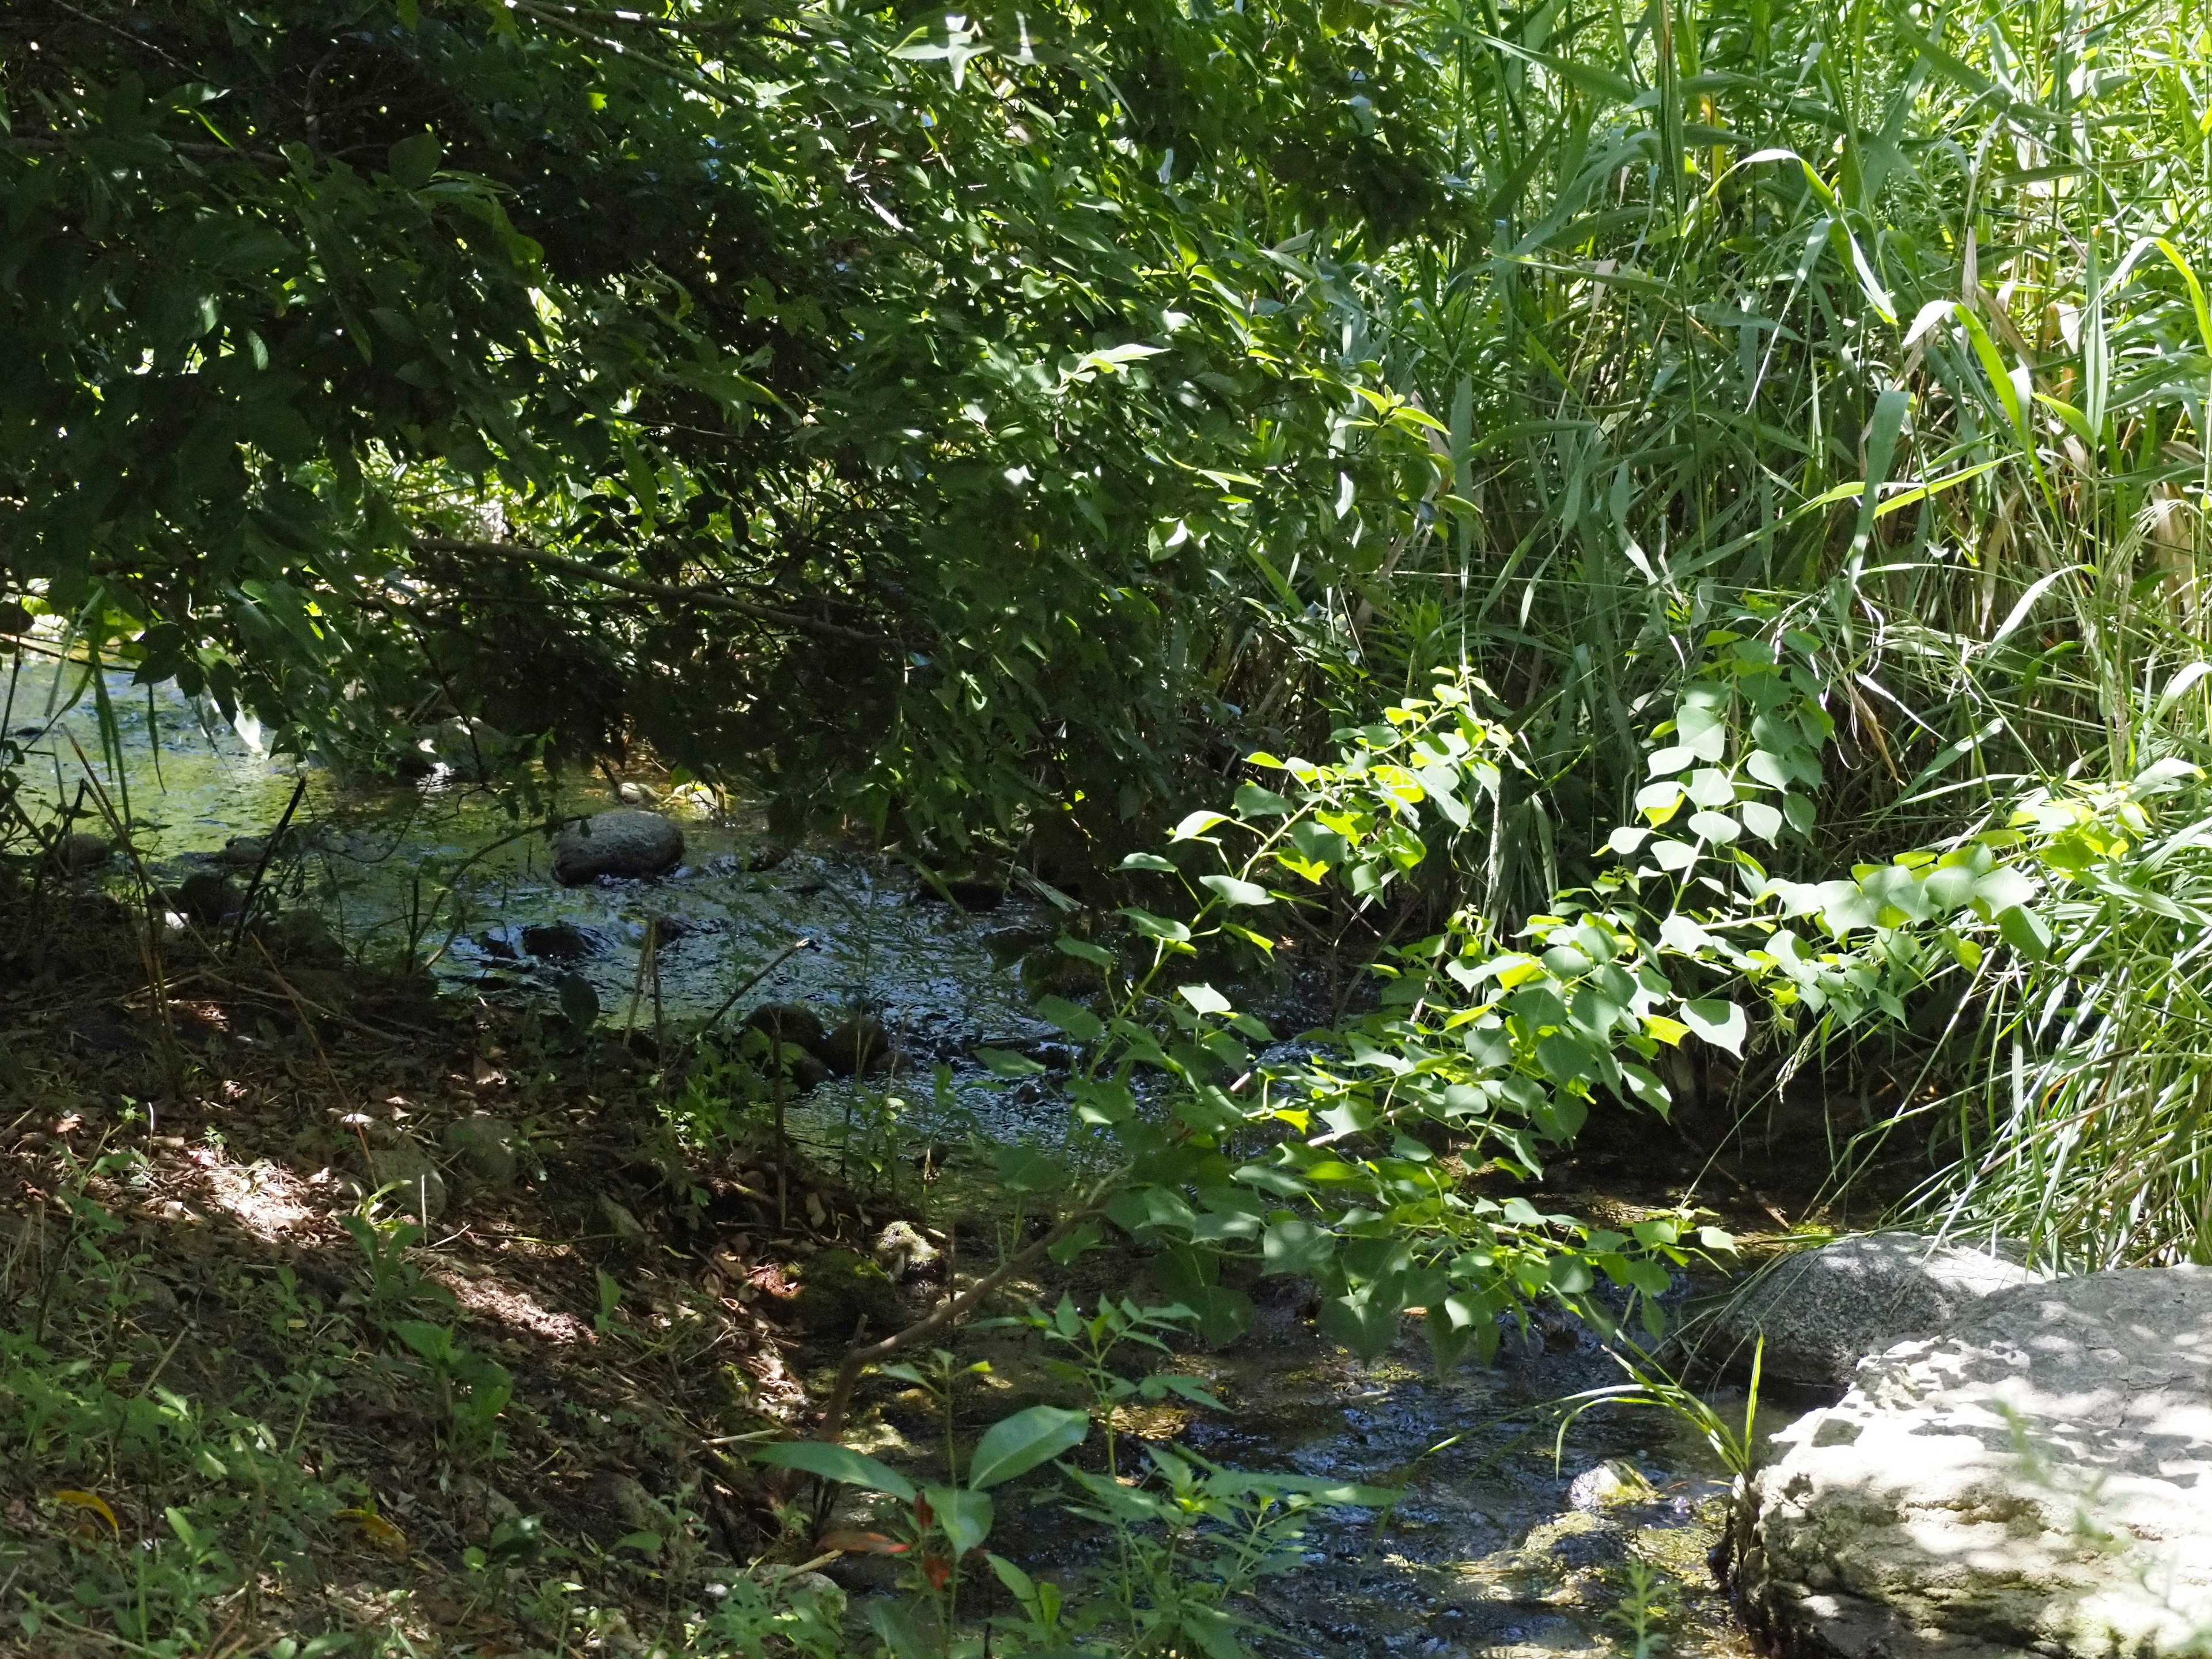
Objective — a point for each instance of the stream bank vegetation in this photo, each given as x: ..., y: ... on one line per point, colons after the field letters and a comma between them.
x: 1657, y: 547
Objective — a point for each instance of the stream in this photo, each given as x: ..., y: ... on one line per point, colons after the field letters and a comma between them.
x: 1498, y: 1547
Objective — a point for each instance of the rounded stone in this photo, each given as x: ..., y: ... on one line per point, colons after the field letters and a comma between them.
x: 858, y: 1046
x: 837, y: 1289
x: 556, y: 941
x: 483, y: 1146
x: 243, y: 851
x: 79, y: 852
x: 793, y: 1023
x: 418, y: 1186
x: 1821, y: 1310
x: 628, y: 843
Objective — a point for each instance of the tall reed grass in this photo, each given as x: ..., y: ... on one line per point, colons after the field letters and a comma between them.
x: 1895, y: 309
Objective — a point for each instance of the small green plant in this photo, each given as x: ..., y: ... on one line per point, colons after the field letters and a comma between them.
x: 391, y: 1284
x: 472, y: 1390
x: 1649, y: 1385
x: 937, y: 1528
x: 1093, y: 1340
x: 773, y: 1611
x: 1648, y: 1599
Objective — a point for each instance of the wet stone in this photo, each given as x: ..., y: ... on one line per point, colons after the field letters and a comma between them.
x: 627, y: 844
x: 208, y: 896
x: 243, y: 851
x: 556, y: 941
x: 793, y: 1024
x: 858, y: 1046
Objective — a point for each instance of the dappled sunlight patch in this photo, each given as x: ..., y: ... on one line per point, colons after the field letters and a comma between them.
x: 267, y: 1200
x: 512, y: 1305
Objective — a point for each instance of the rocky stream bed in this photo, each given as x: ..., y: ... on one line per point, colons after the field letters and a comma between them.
x: 1506, y: 1541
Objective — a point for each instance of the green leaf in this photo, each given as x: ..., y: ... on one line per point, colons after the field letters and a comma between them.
x: 1720, y: 1023
x: 1015, y: 1445
x: 965, y: 1516
x: 1026, y: 1170
x: 1163, y: 928
x: 818, y: 1457
x: 1238, y: 891
x: 895, y: 1622
x: 1002, y: 1062
x: 1076, y: 1020
x: 2026, y: 932
x: 1254, y: 802
x: 1204, y: 998
x: 1365, y: 1321
x: 1225, y: 1312
x: 1297, y: 1246
x: 1152, y: 862
x: 580, y: 1003
x: 414, y: 162
x: 1084, y: 950
x: 1086, y: 1237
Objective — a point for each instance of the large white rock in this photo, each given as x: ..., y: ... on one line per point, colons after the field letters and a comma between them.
x: 2036, y: 1479
x: 1821, y: 1311
x: 628, y: 842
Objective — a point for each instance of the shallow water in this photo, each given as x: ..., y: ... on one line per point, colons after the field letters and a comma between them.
x: 1495, y: 1550
x: 387, y: 866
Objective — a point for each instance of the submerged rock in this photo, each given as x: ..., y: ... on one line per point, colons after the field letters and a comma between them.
x: 627, y: 843
x: 1822, y: 1309
x: 556, y: 941
x: 2033, y: 1479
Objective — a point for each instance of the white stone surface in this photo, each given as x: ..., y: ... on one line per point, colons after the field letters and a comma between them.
x: 2037, y: 1478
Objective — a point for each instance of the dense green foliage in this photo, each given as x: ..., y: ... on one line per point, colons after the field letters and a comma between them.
x: 883, y: 344
x: 1720, y: 487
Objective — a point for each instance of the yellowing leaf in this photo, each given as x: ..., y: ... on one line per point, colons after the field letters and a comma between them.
x: 378, y: 1530
x: 92, y: 1501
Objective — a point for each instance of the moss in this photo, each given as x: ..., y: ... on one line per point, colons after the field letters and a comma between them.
x: 839, y: 1288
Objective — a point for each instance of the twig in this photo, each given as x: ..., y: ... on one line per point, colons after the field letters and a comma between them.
x: 261, y: 867
x: 171, y: 1063
x: 803, y: 943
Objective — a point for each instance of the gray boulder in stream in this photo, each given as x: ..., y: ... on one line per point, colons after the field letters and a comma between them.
x: 629, y: 842
x: 1821, y: 1310
x: 2036, y: 1479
